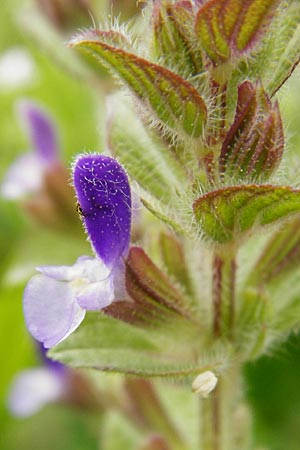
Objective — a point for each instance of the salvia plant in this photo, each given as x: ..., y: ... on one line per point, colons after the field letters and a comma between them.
x: 195, y: 232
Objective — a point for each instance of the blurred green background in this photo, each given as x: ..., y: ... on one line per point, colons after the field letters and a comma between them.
x: 273, y: 382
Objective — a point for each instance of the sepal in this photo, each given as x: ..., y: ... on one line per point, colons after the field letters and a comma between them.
x: 254, y: 144
x: 149, y: 287
x: 173, y: 258
x: 174, y: 40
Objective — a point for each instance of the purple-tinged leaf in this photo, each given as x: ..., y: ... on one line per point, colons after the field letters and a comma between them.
x: 229, y: 28
x: 103, y: 193
x: 225, y: 215
x: 111, y: 37
x: 174, y: 101
x: 254, y: 144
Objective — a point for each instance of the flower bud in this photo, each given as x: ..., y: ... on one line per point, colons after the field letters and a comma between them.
x: 204, y: 383
x: 254, y: 144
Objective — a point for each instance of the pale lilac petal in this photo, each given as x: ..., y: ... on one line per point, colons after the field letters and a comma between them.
x: 96, y: 295
x: 120, y: 292
x: 25, y: 176
x: 104, y: 196
x: 50, y: 309
x: 41, y: 130
x: 90, y: 269
x: 83, y: 258
x: 77, y: 319
x: 93, y: 269
x: 33, y: 389
x: 61, y: 273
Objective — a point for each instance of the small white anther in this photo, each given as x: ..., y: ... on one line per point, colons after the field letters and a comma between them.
x: 204, y: 383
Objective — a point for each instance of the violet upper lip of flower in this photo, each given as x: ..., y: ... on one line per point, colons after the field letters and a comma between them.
x: 55, y: 300
x: 25, y: 175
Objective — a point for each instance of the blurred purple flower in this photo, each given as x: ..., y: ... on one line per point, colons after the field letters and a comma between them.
x: 55, y: 301
x: 33, y: 389
x: 25, y: 176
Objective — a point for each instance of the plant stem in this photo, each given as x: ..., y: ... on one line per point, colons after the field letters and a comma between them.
x: 220, y: 425
x: 224, y: 424
x: 144, y: 407
x: 223, y: 294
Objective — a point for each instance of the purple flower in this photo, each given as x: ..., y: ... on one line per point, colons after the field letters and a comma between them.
x: 55, y: 301
x: 103, y: 194
x: 25, y: 176
x: 32, y: 389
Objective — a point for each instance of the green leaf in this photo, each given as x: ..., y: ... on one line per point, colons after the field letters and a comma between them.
x: 226, y: 214
x: 278, y: 55
x: 165, y: 214
x: 174, y: 101
x: 253, y: 319
x: 280, y: 255
x: 145, y: 159
x: 110, y: 345
x: 288, y: 317
x: 287, y: 56
x: 228, y: 28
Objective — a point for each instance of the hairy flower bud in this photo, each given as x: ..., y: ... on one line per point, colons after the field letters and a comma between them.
x: 254, y: 144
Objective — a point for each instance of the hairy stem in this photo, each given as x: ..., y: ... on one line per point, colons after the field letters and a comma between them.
x: 222, y: 426
x: 223, y: 294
